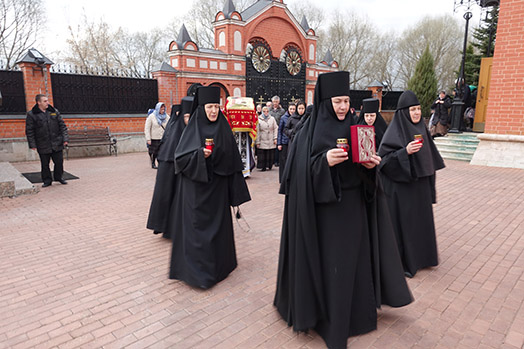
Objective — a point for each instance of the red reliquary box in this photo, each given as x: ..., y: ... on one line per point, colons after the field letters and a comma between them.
x: 362, y: 143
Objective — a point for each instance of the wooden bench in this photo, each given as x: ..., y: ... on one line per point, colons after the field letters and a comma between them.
x: 86, y: 136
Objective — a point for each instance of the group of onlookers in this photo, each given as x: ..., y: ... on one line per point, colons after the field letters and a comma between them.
x: 275, y: 130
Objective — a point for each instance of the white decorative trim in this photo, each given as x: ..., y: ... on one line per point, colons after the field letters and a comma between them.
x: 213, y: 65
x: 237, y: 41
x: 223, y: 65
x: 203, y: 64
x: 238, y: 66
x: 199, y: 54
x: 190, y: 62
x: 207, y: 76
x: 500, y: 138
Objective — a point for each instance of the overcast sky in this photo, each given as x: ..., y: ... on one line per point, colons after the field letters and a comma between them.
x: 137, y: 16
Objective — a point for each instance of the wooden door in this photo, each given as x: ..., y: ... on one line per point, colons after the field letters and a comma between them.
x: 482, y: 94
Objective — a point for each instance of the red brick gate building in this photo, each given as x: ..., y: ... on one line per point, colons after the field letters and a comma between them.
x: 259, y: 52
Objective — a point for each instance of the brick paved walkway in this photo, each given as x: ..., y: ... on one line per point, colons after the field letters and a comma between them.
x: 79, y: 269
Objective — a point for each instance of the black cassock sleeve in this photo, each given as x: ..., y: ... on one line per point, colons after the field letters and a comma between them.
x: 194, y: 166
x: 396, y: 166
x: 326, y: 184
x: 432, y: 180
x: 238, y: 191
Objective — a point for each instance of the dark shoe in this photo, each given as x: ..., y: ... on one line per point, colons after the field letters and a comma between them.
x: 408, y: 274
x: 264, y: 169
x: 62, y: 181
x: 153, y: 165
x: 46, y: 185
x: 276, y: 165
x: 156, y: 232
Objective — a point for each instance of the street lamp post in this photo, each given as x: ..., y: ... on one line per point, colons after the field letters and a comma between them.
x: 457, y: 108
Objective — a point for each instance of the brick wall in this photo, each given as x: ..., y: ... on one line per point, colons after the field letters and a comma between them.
x: 15, y: 128
x: 506, y: 101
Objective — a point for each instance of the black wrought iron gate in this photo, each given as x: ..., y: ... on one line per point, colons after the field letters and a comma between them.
x: 264, y: 82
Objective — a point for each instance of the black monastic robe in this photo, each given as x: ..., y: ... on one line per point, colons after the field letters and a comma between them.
x: 329, y: 255
x: 165, y: 184
x: 203, y: 247
x: 409, y: 184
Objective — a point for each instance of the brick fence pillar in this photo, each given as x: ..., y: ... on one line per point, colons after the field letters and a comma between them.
x: 168, y: 89
x: 376, y: 92
x: 37, y: 76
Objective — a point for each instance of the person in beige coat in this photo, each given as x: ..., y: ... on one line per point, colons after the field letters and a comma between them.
x: 154, y: 130
x: 266, y: 142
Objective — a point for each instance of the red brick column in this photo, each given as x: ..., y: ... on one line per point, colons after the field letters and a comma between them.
x: 35, y: 82
x: 376, y: 92
x: 168, y: 90
x: 504, y: 113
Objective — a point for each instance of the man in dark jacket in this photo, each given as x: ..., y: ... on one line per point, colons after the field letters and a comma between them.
x: 47, y: 133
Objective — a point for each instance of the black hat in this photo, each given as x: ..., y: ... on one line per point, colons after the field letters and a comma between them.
x: 175, y: 108
x: 208, y: 94
x: 205, y: 95
x: 333, y: 84
x: 370, y: 105
x: 407, y: 99
x: 186, y: 105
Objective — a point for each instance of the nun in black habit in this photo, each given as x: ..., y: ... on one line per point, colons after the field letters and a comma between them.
x: 408, y: 172
x: 369, y: 115
x: 325, y: 274
x: 211, y: 181
x: 165, y: 185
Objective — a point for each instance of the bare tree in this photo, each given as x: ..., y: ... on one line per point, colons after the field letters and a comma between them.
x: 444, y: 37
x: 351, y: 39
x: 140, y: 52
x: 384, y: 64
x: 21, y: 22
x: 315, y: 15
x: 93, y: 45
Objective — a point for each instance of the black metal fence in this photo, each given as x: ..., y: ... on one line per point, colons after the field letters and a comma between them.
x: 357, y: 96
x: 390, y: 99
x: 12, y: 90
x: 76, y: 93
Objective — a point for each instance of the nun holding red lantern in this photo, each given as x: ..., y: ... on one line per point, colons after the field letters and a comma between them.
x: 327, y: 258
x: 410, y: 160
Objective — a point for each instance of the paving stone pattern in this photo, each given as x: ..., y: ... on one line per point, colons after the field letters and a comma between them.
x: 79, y: 269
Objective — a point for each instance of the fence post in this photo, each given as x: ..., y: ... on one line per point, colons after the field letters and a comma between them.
x: 165, y: 76
x: 37, y: 76
x: 376, y: 92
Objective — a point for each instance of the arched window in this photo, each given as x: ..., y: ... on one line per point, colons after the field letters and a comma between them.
x: 312, y: 52
x: 238, y: 41
x: 309, y: 97
x: 222, y: 39
x: 237, y: 92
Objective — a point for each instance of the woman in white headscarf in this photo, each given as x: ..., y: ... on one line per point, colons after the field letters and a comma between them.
x: 154, y: 130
